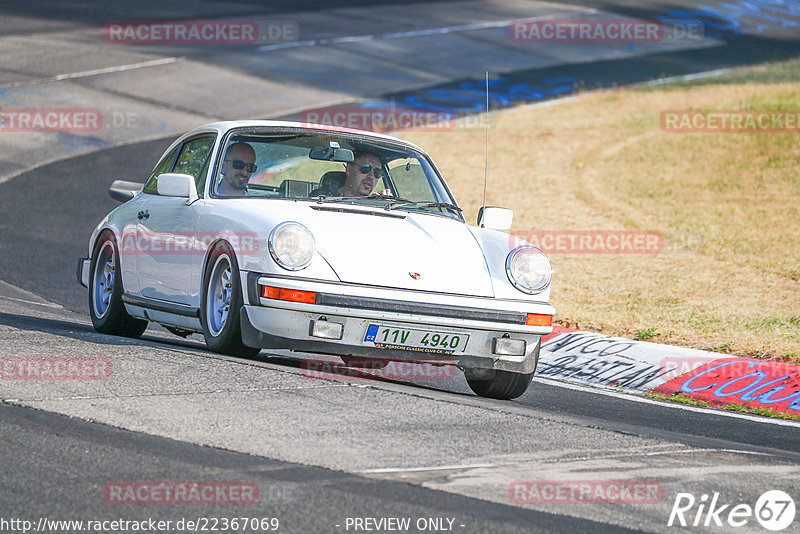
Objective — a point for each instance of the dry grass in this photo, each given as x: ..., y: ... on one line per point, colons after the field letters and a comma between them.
x: 728, y: 206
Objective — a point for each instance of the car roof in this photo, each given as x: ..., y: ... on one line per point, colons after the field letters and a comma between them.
x: 223, y: 127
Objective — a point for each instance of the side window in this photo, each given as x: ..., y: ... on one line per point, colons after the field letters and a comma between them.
x: 194, y: 158
x: 163, y: 166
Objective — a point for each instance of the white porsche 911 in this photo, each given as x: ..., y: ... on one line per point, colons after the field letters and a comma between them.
x: 278, y: 235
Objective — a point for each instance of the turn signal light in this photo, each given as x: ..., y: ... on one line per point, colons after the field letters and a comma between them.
x: 292, y: 295
x: 537, y: 319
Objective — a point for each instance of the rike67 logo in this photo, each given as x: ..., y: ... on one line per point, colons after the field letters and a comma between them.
x: 774, y: 510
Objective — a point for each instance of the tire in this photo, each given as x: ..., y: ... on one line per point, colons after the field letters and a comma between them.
x: 494, y: 384
x: 105, y: 292
x: 364, y: 363
x: 222, y: 301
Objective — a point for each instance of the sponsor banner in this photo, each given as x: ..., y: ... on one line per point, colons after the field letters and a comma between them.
x: 753, y: 383
x: 55, y: 367
x: 172, y: 493
x: 730, y: 121
x: 612, y: 362
x: 586, y: 492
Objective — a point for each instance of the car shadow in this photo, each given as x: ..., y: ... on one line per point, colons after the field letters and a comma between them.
x: 314, y: 366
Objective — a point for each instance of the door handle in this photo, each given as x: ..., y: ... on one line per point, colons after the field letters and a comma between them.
x: 143, y: 215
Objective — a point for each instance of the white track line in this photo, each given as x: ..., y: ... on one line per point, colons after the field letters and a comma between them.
x: 387, y: 470
x: 423, y: 469
x: 47, y: 304
x: 666, y: 404
x: 414, y: 33
x: 94, y: 72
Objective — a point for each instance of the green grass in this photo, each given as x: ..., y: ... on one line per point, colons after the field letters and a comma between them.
x: 643, y: 334
x: 774, y: 72
x: 678, y: 397
x: 683, y: 399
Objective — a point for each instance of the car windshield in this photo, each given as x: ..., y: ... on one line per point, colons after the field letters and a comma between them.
x: 333, y: 167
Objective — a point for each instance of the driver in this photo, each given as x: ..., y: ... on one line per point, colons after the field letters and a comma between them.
x: 363, y: 174
x: 237, y: 167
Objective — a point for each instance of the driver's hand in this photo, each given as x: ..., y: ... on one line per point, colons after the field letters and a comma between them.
x: 384, y: 193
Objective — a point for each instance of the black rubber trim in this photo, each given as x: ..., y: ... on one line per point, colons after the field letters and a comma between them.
x: 162, y: 306
x: 79, y: 270
x: 253, y: 294
x: 421, y: 308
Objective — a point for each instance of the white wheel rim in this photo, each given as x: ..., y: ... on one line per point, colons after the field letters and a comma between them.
x: 103, y: 279
x: 218, y: 296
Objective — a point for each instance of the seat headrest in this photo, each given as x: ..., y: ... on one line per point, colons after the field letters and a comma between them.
x: 333, y: 179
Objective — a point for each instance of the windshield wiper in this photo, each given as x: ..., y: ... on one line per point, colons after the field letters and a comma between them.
x: 325, y: 198
x: 402, y: 203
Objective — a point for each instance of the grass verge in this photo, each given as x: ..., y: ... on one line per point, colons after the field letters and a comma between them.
x: 726, y: 204
x: 683, y: 399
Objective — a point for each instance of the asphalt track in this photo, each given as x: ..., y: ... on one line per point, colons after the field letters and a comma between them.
x: 343, y: 449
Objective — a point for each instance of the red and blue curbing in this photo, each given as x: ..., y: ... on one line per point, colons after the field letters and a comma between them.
x: 640, y: 367
x: 756, y: 384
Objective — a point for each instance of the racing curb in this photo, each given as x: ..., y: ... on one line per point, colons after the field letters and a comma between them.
x: 632, y: 366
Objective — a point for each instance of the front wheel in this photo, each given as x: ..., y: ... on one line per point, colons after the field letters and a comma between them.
x: 105, y: 292
x: 222, y: 301
x: 494, y: 384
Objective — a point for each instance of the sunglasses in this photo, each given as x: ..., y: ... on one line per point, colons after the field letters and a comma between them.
x: 239, y: 165
x: 366, y: 168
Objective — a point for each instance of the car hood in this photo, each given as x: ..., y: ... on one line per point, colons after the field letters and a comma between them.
x: 412, y: 251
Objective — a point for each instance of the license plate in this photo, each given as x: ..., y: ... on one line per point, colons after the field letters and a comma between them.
x: 428, y: 341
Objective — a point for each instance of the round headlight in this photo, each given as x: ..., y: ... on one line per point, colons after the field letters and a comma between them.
x: 291, y: 246
x: 528, y: 269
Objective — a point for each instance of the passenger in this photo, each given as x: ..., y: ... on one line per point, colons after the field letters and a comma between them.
x: 237, y: 167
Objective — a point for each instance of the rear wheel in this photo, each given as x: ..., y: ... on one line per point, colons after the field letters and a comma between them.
x: 222, y: 301
x: 105, y: 292
x: 494, y: 384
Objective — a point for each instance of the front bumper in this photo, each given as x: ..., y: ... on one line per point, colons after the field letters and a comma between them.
x: 278, y: 324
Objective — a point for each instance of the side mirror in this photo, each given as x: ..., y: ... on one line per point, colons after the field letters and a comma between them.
x: 495, y: 218
x: 172, y: 184
x: 123, y: 191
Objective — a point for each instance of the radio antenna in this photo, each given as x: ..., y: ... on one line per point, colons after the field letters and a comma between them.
x: 486, y: 168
